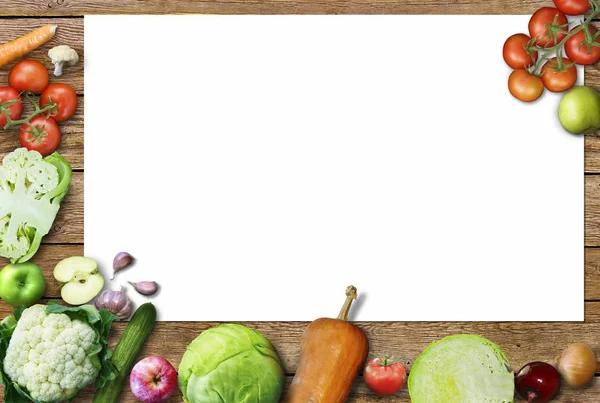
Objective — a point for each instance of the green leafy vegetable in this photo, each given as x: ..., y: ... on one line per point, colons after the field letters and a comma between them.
x: 231, y: 364
x: 461, y: 369
x: 63, y: 348
x: 31, y: 189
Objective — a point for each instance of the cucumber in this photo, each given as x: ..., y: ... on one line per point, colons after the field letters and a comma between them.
x: 131, y: 342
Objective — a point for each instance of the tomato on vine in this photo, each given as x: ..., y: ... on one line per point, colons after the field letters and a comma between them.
x: 28, y: 75
x: 41, y: 134
x: 524, y: 86
x: 548, y: 26
x: 11, y: 104
x: 515, y: 52
x: 65, y: 98
x: 573, y: 7
x: 583, y: 49
x: 559, y: 75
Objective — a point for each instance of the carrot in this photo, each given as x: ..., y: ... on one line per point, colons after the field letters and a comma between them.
x: 13, y: 50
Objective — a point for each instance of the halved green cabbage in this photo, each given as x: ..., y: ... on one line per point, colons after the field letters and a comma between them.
x: 462, y: 368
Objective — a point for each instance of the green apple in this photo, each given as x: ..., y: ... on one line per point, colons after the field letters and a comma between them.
x: 579, y: 110
x: 22, y: 284
x: 80, y: 279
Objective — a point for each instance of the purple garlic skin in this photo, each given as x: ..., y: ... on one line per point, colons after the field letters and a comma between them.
x: 145, y: 287
x: 116, y: 302
x: 121, y: 261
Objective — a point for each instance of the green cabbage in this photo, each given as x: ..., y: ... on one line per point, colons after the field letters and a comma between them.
x: 461, y: 369
x: 231, y: 364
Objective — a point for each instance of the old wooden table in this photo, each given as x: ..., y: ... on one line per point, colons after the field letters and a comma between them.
x: 522, y: 342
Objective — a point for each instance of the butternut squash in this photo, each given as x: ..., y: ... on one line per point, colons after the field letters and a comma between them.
x: 333, y: 352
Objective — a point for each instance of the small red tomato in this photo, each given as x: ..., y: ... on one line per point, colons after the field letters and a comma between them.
x: 384, y: 376
x: 525, y: 87
x: 65, y: 98
x: 514, y: 52
x: 42, y: 135
x: 28, y: 75
x: 572, y: 7
x: 559, y: 81
x: 582, y: 54
x: 15, y: 110
x: 539, y: 24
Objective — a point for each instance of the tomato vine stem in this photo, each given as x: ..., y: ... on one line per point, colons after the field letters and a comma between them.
x: 48, y: 110
x: 546, y: 53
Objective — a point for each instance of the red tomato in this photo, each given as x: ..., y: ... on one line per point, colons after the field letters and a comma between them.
x: 539, y: 26
x: 558, y: 81
x: 65, y: 98
x: 579, y: 54
x: 14, y: 111
x: 525, y: 87
x: 572, y: 7
x: 45, y: 138
x: 28, y: 75
x: 514, y: 52
x: 384, y: 376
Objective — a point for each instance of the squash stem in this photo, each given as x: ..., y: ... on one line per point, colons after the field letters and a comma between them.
x: 350, y: 296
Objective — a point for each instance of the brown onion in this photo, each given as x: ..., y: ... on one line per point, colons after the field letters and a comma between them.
x: 577, y: 364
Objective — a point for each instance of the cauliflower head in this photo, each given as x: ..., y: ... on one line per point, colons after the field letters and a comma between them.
x: 31, y: 189
x: 51, y: 356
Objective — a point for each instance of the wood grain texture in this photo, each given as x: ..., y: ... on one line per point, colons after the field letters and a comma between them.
x: 69, y: 32
x: 592, y: 210
x: 68, y: 226
x: 82, y: 7
x: 361, y: 394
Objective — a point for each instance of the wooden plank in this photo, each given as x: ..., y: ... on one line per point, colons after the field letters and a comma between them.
x: 69, y: 223
x: 71, y: 146
x: 82, y: 7
x: 592, y: 144
x: 361, y: 394
x: 592, y: 273
x: 68, y: 226
x: 522, y: 342
x: 69, y: 32
x: 592, y: 210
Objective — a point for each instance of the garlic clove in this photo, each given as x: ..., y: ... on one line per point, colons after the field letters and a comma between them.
x: 121, y: 261
x: 145, y: 287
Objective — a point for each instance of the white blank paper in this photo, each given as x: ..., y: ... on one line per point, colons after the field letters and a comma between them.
x: 257, y: 165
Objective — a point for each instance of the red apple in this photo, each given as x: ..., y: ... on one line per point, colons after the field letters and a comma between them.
x: 153, y: 380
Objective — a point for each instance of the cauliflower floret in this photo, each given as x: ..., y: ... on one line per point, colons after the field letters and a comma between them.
x: 49, y: 355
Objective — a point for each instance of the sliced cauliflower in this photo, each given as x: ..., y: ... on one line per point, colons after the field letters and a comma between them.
x: 31, y: 189
x: 51, y: 356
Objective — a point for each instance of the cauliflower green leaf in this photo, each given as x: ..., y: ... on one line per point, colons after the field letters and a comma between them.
x: 31, y: 190
x: 49, y: 353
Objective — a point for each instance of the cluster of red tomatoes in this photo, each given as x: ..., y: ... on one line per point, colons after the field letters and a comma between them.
x: 537, y: 58
x: 40, y: 132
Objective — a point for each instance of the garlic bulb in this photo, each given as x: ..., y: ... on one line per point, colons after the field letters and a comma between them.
x: 115, y: 302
